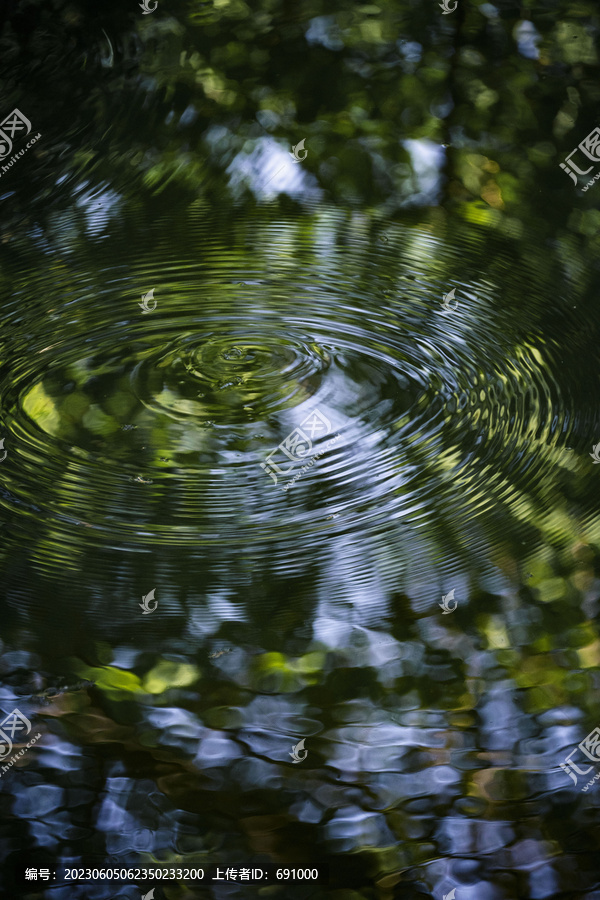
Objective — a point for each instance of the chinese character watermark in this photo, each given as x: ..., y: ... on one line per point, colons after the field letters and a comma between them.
x: 32, y: 874
x: 14, y: 124
x: 590, y: 747
x: 10, y: 725
x: 590, y: 147
x: 297, y: 446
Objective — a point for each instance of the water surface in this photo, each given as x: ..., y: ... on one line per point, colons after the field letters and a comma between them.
x: 231, y: 512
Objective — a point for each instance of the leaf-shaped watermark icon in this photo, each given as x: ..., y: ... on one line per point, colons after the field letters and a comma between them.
x: 295, y: 754
x: 446, y: 601
x: 447, y: 300
x: 297, y: 150
x: 145, y: 304
x: 146, y: 603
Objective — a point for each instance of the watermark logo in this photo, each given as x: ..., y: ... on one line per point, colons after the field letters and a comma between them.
x: 299, y: 148
x: 590, y: 147
x: 295, y: 158
x: 310, y: 463
x: 446, y: 601
x: 295, y: 754
x: 590, y: 747
x: 13, y: 124
x: 145, y: 302
x: 149, y: 895
x: 447, y: 300
x: 146, y: 603
x: 146, y: 7
x: 451, y: 895
x: 595, y: 455
x: 445, y: 6
x: 10, y: 725
x: 5, y: 452
x: 22, y: 752
x: 298, y: 444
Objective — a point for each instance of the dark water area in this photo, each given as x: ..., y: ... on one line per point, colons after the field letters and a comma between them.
x: 299, y: 379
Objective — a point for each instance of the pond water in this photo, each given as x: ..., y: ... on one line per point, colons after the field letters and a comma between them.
x: 300, y: 543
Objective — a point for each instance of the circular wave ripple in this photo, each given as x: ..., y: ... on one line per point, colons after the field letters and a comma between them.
x: 332, y: 395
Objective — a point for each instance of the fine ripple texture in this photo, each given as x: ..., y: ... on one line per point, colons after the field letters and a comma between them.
x: 164, y: 424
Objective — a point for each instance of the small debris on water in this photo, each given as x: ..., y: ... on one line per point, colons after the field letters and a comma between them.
x: 219, y: 653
